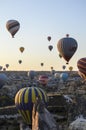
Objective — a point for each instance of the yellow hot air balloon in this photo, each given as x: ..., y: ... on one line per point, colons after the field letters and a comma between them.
x: 24, y: 100
x: 21, y: 49
x: 13, y: 26
x: 70, y: 68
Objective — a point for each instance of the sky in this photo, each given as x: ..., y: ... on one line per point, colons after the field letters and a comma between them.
x: 39, y: 19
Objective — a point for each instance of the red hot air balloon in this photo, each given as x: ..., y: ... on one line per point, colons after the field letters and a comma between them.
x: 43, y: 79
x: 67, y: 47
x: 49, y: 38
x: 81, y: 64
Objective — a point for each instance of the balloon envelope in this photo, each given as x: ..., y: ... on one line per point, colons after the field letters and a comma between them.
x: 64, y: 76
x: 3, y: 79
x: 64, y: 67
x: 70, y: 68
x: 24, y: 100
x: 67, y: 47
x: 13, y: 26
x: 31, y: 74
x: 21, y: 49
x: 42, y: 64
x: 57, y: 75
x: 50, y: 47
x: 20, y: 61
x: 81, y: 64
x: 7, y: 65
x: 1, y: 67
x: 43, y: 79
x: 49, y: 38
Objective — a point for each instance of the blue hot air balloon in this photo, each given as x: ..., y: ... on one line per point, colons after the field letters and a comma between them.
x: 24, y: 100
x: 31, y: 74
x: 3, y: 79
x: 64, y: 76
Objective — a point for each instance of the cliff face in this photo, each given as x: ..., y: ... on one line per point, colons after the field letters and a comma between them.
x: 74, y: 87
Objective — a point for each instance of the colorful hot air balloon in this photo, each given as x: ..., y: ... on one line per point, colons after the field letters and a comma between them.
x: 67, y: 47
x: 50, y: 47
x: 13, y: 26
x: 43, y: 79
x: 81, y: 64
x: 24, y: 100
x: 21, y: 49
x: 49, y: 38
x: 64, y: 76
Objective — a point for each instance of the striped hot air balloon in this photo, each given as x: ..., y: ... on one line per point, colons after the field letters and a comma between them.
x: 24, y: 100
x: 13, y: 26
x: 67, y: 47
x: 81, y: 64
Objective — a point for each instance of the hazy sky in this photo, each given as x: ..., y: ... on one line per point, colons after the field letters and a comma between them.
x: 39, y: 19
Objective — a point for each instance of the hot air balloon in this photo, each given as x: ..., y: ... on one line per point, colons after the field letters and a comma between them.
x: 3, y: 79
x: 43, y: 79
x: 51, y: 67
x: 64, y: 76
x: 31, y: 74
x: 7, y: 65
x: 4, y: 69
x: 67, y: 47
x: 20, y: 61
x: 13, y: 26
x: 70, y: 68
x: 57, y: 75
x: 42, y: 64
x: 1, y: 67
x: 21, y: 49
x: 81, y: 64
x: 49, y: 38
x: 64, y: 67
x: 24, y: 100
x: 50, y: 47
